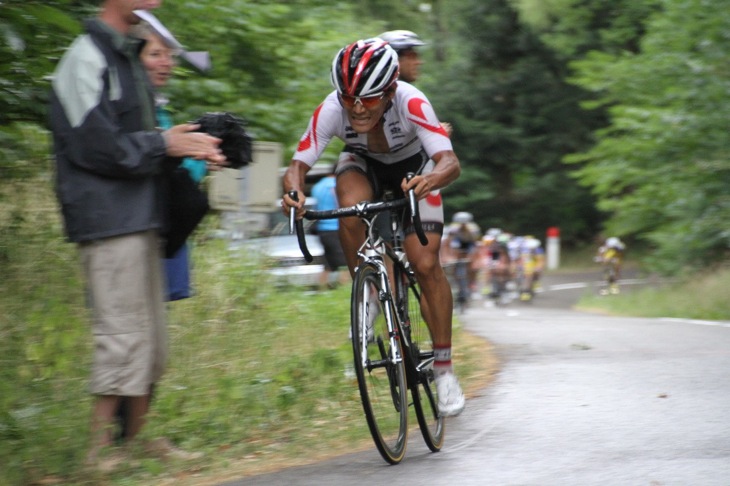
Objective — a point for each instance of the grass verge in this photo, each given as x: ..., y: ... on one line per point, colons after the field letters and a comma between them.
x: 256, y: 376
x: 698, y: 296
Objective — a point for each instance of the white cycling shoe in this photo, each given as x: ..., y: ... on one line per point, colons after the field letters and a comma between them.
x: 451, y: 398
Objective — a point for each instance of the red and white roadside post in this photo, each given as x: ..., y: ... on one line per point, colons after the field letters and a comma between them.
x: 552, y: 248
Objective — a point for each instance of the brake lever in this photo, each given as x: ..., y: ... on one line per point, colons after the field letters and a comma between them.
x: 297, y: 225
x: 293, y: 212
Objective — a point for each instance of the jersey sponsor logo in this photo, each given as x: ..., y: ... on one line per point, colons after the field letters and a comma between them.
x: 422, y: 114
x: 396, y: 131
x: 394, y: 127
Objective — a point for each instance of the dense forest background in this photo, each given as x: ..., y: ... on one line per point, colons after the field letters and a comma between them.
x: 597, y: 116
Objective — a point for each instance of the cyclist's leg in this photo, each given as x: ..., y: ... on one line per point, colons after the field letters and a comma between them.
x: 610, y: 272
x: 353, y: 186
x: 423, y: 389
x: 615, y: 273
x: 607, y: 277
x: 436, y: 307
x: 437, y: 303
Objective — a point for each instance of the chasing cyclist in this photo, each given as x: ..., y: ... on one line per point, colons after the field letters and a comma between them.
x: 409, y: 60
x: 405, y: 42
x: 611, y: 255
x: 497, y: 265
x: 462, y: 236
x: 529, y: 262
x: 389, y: 129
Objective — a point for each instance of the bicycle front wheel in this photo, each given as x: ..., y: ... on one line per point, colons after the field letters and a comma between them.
x: 379, y: 367
x: 423, y: 387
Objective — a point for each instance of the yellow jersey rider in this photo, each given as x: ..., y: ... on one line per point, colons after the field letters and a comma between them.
x: 611, y: 255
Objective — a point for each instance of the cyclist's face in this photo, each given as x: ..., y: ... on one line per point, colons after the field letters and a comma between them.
x: 410, y: 65
x: 364, y: 118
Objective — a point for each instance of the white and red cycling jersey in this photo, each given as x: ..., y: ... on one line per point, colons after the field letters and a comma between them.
x: 410, y: 125
x: 411, y: 128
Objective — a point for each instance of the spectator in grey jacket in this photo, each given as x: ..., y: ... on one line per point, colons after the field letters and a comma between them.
x: 109, y: 165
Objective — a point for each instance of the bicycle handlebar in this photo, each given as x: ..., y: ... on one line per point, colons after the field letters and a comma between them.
x: 360, y: 209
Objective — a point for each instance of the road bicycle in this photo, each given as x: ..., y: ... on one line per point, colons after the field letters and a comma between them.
x: 391, y: 343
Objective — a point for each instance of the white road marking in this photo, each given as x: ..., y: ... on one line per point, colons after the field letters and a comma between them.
x: 568, y: 286
x: 582, y: 285
x: 697, y: 322
x: 469, y: 441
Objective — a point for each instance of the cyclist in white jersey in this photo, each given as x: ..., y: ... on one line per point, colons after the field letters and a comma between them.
x: 389, y: 129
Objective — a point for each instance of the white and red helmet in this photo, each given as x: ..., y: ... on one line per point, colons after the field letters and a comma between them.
x: 365, y: 68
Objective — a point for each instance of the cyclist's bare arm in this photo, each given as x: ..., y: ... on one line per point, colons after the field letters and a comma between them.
x: 447, y: 169
x: 294, y: 181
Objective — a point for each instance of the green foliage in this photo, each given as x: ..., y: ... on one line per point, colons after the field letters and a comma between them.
x: 271, y: 61
x: 496, y: 69
x: 30, y: 35
x: 576, y: 27
x: 24, y: 150
x: 661, y: 168
x: 514, y: 118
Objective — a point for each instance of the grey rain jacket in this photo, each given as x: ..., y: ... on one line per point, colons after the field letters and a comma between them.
x: 109, y: 156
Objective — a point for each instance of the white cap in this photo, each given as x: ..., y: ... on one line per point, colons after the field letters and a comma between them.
x: 463, y: 217
x: 199, y: 60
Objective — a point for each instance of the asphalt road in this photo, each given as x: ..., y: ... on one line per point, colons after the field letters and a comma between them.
x: 581, y: 399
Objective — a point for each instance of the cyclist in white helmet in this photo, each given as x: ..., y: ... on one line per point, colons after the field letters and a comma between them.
x: 405, y: 42
x: 462, y: 238
x: 611, y: 255
x: 389, y: 129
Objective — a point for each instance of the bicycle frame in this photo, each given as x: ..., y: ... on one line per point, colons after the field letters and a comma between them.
x: 374, y: 251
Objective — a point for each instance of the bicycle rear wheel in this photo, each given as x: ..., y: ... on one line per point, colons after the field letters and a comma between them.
x: 379, y: 367
x: 421, y: 379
